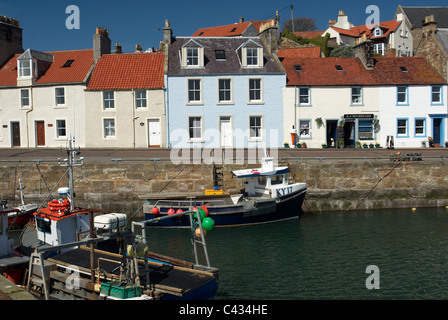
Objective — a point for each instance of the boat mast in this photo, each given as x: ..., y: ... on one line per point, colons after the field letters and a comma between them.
x: 70, y: 163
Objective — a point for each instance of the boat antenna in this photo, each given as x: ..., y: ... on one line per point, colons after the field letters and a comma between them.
x: 70, y: 162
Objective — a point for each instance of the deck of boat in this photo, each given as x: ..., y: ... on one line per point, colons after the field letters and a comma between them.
x: 167, y: 278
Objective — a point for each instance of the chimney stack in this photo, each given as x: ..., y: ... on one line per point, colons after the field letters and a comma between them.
x: 167, y: 33
x: 364, y: 52
x: 118, y: 48
x: 138, y: 48
x: 430, y: 25
x: 101, y: 43
x: 10, y: 39
x: 241, y: 20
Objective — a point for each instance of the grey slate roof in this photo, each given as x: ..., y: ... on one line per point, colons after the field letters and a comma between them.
x: 442, y: 36
x: 212, y: 66
x: 417, y: 15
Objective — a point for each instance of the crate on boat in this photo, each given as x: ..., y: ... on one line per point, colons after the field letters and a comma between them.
x: 121, y: 290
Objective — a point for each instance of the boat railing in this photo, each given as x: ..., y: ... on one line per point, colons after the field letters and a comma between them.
x: 189, y: 203
x: 197, y: 237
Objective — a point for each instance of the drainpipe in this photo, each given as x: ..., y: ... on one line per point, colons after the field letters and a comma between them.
x: 167, y: 114
x: 133, y: 118
x: 26, y: 118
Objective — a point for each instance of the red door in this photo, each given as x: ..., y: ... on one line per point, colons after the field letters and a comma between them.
x: 40, y: 133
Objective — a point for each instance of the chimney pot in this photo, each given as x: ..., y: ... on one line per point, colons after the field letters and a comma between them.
x: 138, y: 48
x: 241, y: 20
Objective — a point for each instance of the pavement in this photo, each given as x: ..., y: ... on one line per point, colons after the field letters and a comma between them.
x: 110, y: 155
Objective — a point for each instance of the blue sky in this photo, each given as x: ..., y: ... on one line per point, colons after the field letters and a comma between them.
x: 138, y: 21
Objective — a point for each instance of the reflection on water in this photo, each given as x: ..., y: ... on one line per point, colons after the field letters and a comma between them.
x: 325, y: 256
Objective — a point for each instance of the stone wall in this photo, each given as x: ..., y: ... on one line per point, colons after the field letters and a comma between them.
x: 332, y: 185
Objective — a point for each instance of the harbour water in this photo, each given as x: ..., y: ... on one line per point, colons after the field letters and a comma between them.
x: 325, y: 256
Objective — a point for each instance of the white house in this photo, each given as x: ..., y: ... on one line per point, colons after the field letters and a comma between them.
x: 42, y: 98
x: 328, y: 100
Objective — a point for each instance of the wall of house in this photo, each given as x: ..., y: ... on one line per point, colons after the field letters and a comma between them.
x: 42, y: 108
x: 328, y: 103
x: 402, y: 37
x: 419, y: 106
x: 271, y: 110
x: 131, y: 124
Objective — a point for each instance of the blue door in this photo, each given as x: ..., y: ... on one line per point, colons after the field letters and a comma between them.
x: 436, y: 130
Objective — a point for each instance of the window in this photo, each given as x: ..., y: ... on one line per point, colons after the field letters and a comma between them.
x: 378, y: 48
x: 24, y: 68
x: 109, y: 128
x: 225, y: 90
x: 298, y: 67
x: 378, y: 32
x: 25, y: 97
x: 108, y: 99
x: 60, y: 96
x: 255, y: 127
x: 402, y: 95
x: 436, y: 96
x: 305, y: 129
x: 403, y: 69
x: 420, y: 125
x: 68, y: 63
x: 60, y: 129
x: 140, y: 99
x: 304, y: 96
x: 220, y: 55
x: 195, y: 128
x: 255, y: 90
x: 357, y: 95
x: 194, y: 91
x: 192, y: 57
x: 252, y: 56
x: 365, y: 130
x: 402, y: 127
x: 338, y: 67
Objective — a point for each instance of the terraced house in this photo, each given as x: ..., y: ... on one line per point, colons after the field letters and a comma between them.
x: 224, y: 91
x: 41, y: 93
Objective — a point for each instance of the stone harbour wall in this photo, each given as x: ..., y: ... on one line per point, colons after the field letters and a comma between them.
x: 339, y: 185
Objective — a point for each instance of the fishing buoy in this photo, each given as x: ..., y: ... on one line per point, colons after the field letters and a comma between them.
x: 201, y: 214
x: 197, y: 233
x: 414, y: 209
x: 130, y: 251
x: 142, y: 249
x: 179, y: 211
x: 208, y: 224
x: 155, y: 210
x: 171, y: 211
x: 205, y: 210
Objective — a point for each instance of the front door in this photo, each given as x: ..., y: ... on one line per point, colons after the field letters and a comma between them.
x: 331, y: 132
x: 436, y: 130
x: 225, y: 127
x: 154, y: 133
x: 15, y: 132
x: 40, y: 133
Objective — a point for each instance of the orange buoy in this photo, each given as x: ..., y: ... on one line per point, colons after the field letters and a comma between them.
x: 179, y: 211
x: 205, y: 210
x: 171, y: 211
x: 155, y: 210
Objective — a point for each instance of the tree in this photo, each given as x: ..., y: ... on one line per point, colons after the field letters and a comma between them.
x: 300, y: 24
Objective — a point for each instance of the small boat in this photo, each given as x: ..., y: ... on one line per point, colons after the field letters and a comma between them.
x: 23, y: 213
x: 268, y: 196
x: 104, y: 261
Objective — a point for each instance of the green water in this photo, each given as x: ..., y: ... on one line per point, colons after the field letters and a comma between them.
x: 325, y: 256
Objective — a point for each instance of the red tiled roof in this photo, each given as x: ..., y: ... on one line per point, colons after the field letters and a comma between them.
x: 323, y: 72
x: 230, y: 30
x: 77, y: 72
x: 128, y: 71
x: 387, y: 26
x: 308, y: 52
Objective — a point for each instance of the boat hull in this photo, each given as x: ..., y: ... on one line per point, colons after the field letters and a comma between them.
x: 247, y: 213
x: 19, y: 220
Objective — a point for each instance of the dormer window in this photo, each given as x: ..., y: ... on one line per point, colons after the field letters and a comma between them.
x: 192, y: 55
x: 377, y: 32
x: 251, y: 55
x: 25, y: 68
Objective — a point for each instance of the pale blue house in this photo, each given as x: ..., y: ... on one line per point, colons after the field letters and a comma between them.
x: 223, y: 92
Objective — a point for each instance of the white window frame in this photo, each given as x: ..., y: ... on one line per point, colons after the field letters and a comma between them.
x: 190, y: 127
x: 259, y: 127
x: 305, y: 132
x: 303, y: 95
x: 379, y: 48
x: 245, y: 57
x: 58, y: 96
x: 185, y: 61
x: 356, y: 96
x: 377, y: 32
x: 22, y: 98
x: 423, y: 134
x: 405, y: 93
x: 140, y: 99
x: 225, y: 90
x: 406, y: 127
x: 194, y: 90
x: 249, y: 90
x: 22, y: 68
x: 107, y: 128
x: 440, y: 93
x: 108, y: 102
x: 58, y: 127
